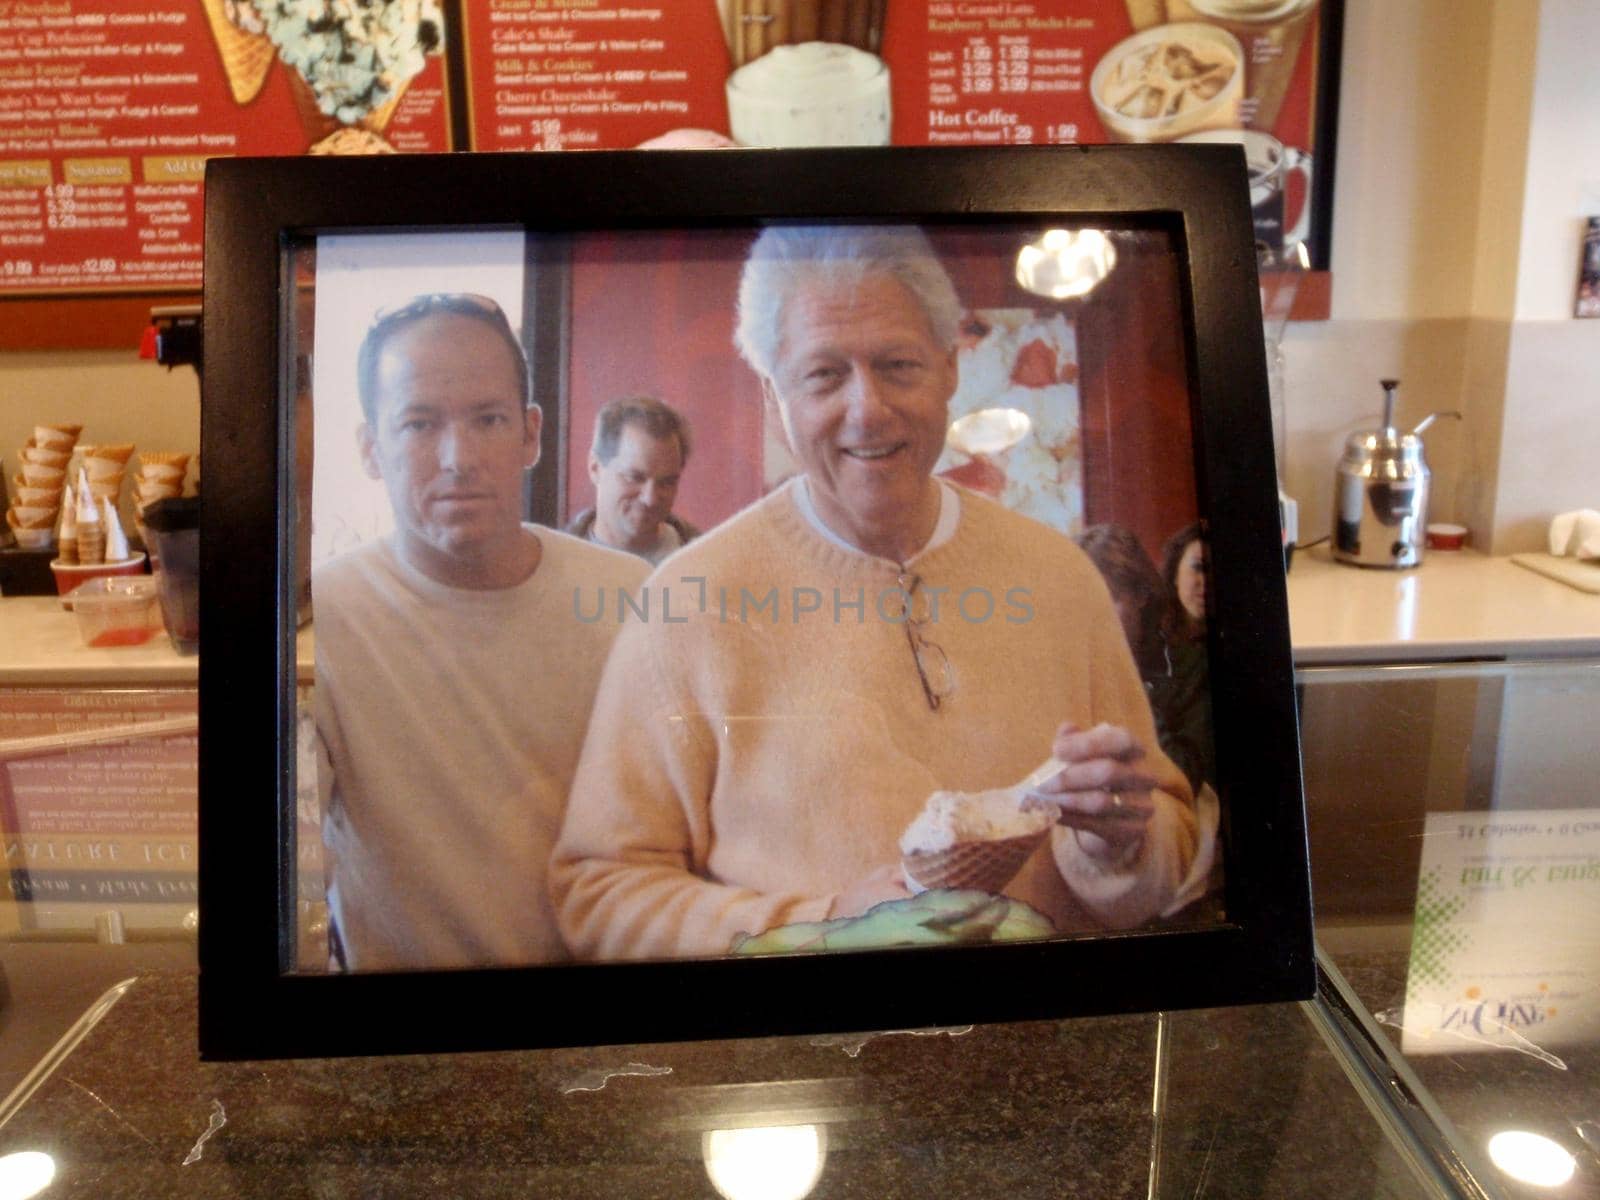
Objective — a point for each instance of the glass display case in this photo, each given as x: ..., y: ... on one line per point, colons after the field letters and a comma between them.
x: 1451, y: 1050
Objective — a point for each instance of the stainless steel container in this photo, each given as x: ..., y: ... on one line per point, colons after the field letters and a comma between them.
x: 1380, y: 503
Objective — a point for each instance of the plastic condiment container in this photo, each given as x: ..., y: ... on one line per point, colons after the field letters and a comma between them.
x: 117, y: 611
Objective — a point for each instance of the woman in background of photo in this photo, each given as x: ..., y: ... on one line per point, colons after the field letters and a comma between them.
x: 1163, y: 616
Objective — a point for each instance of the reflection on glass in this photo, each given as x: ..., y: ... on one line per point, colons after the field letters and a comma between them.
x: 781, y: 1162
x: 1066, y: 263
x: 989, y: 430
x: 1531, y: 1158
x: 24, y: 1174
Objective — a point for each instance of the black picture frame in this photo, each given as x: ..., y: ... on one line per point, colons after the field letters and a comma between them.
x: 251, y: 1007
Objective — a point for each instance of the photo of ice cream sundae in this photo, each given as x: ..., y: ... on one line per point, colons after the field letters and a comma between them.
x: 975, y: 840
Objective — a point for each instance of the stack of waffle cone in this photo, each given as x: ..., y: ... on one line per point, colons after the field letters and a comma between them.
x: 160, y: 477
x: 39, y: 480
x: 985, y: 866
x: 246, y: 57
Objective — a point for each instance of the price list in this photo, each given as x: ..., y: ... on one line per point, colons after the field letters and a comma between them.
x: 108, y: 114
x: 591, y: 74
x: 1008, y: 74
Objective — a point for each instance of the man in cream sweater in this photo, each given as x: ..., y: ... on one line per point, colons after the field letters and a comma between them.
x: 454, y: 681
x: 860, y: 638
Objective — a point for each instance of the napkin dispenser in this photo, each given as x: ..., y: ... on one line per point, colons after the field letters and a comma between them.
x: 1380, y: 506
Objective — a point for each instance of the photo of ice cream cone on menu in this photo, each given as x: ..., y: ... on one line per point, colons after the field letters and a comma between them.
x: 349, y: 62
x: 806, y: 72
x: 1271, y: 33
x: 1168, y: 81
x: 241, y: 40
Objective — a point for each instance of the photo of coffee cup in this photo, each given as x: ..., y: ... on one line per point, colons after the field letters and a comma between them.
x: 1271, y: 32
x: 812, y: 94
x: 1168, y: 81
x: 1270, y: 163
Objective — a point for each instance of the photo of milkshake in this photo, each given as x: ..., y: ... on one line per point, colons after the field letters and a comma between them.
x: 812, y: 94
x: 1271, y: 32
x: 1168, y: 81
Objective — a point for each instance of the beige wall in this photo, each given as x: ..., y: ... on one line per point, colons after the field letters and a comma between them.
x: 1457, y: 227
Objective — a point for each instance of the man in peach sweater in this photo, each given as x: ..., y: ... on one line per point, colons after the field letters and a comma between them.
x: 861, y: 637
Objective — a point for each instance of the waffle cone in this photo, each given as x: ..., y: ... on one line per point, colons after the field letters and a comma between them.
x: 246, y: 57
x: 167, y: 458
x: 378, y: 119
x: 983, y: 866
x: 56, y: 437
x: 46, y: 456
x: 316, y: 123
x: 119, y: 452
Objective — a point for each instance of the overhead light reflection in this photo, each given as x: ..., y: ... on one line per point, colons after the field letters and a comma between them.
x: 25, y: 1173
x: 1066, y: 263
x: 781, y: 1162
x: 989, y: 430
x: 1532, y: 1158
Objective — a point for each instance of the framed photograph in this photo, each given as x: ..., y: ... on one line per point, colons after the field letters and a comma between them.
x: 812, y: 590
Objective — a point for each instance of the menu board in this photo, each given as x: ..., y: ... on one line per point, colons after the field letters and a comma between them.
x: 96, y: 825
x: 612, y: 74
x: 109, y: 110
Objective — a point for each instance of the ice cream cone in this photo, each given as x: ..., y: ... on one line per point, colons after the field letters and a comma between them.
x: 56, y: 437
x: 119, y: 452
x: 105, y: 489
x: 47, y: 455
x: 172, y: 459
x: 986, y: 866
x: 30, y: 517
x: 246, y: 57
x: 40, y: 475
x: 39, y: 497
x: 103, y: 468
x: 316, y: 123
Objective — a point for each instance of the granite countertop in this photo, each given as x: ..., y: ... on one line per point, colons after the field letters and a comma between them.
x: 1256, y: 1106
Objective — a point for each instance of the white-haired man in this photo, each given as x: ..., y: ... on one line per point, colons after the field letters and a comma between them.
x: 868, y: 635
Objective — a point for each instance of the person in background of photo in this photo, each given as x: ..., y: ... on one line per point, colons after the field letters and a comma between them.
x: 1171, y: 661
x: 1183, y: 692
x: 755, y: 770
x: 641, y: 446
x: 453, y: 680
